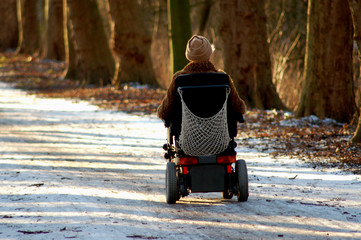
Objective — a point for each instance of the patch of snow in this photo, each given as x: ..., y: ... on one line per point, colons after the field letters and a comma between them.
x: 310, y: 120
x: 135, y: 85
x: 289, y: 123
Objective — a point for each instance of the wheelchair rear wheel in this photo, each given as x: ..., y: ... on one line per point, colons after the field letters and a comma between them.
x: 242, y: 183
x: 171, y: 183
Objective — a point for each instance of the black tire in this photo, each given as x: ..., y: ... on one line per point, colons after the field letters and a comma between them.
x: 242, y: 183
x: 171, y: 185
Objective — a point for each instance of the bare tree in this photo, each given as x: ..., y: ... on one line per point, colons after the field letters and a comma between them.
x: 71, y: 63
x: 180, y: 32
x: 246, y: 52
x: 29, y: 32
x: 204, y: 15
x: 54, y: 40
x: 9, y: 25
x: 90, y: 42
x: 355, y: 8
x: 328, y: 83
x: 286, y: 30
x: 160, y: 45
x: 131, y: 43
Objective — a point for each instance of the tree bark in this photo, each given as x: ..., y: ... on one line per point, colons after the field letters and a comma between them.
x: 29, y: 32
x: 90, y: 42
x: 130, y: 42
x: 328, y: 83
x: 179, y: 24
x: 355, y: 8
x: 160, y: 45
x: 356, y: 138
x: 71, y: 63
x: 204, y: 16
x: 9, y: 25
x: 54, y: 43
x: 246, y: 52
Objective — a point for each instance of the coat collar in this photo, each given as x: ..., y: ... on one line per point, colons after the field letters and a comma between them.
x: 203, y: 66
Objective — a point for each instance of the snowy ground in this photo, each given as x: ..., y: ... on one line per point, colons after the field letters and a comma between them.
x: 71, y: 171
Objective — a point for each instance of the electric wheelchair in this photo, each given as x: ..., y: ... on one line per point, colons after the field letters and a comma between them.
x: 200, y: 147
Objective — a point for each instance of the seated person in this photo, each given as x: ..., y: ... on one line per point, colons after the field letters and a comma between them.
x: 198, y: 52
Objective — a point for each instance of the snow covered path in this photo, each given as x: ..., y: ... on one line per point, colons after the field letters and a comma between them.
x: 71, y: 171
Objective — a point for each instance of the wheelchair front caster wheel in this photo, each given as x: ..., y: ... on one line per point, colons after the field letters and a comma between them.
x: 226, y: 194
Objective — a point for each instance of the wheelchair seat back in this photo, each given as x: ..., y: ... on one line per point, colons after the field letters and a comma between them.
x: 204, y: 94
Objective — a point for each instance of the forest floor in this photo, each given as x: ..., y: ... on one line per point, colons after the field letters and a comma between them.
x: 322, y: 143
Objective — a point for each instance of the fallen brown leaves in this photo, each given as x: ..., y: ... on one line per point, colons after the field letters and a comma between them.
x: 320, y: 142
x: 44, y: 78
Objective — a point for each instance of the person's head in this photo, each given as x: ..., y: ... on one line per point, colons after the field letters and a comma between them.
x: 198, y: 49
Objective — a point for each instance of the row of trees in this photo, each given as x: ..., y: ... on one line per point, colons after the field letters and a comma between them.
x: 113, y: 42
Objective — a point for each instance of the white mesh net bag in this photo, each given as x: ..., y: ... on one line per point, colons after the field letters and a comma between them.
x: 204, y: 136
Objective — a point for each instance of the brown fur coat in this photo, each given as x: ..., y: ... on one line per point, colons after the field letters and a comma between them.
x: 166, y: 109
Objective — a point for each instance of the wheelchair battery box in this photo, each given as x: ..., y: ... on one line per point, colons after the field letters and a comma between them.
x: 207, y: 178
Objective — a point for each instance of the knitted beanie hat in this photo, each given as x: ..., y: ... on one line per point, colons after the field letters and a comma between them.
x: 198, y: 49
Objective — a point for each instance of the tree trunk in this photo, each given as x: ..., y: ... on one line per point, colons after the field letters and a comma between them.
x: 246, y: 52
x: 29, y: 32
x: 355, y: 8
x: 357, y: 135
x: 71, y: 63
x: 204, y: 16
x: 54, y: 43
x: 180, y: 28
x: 9, y: 25
x: 328, y: 83
x: 90, y: 42
x: 131, y: 43
x: 160, y: 45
